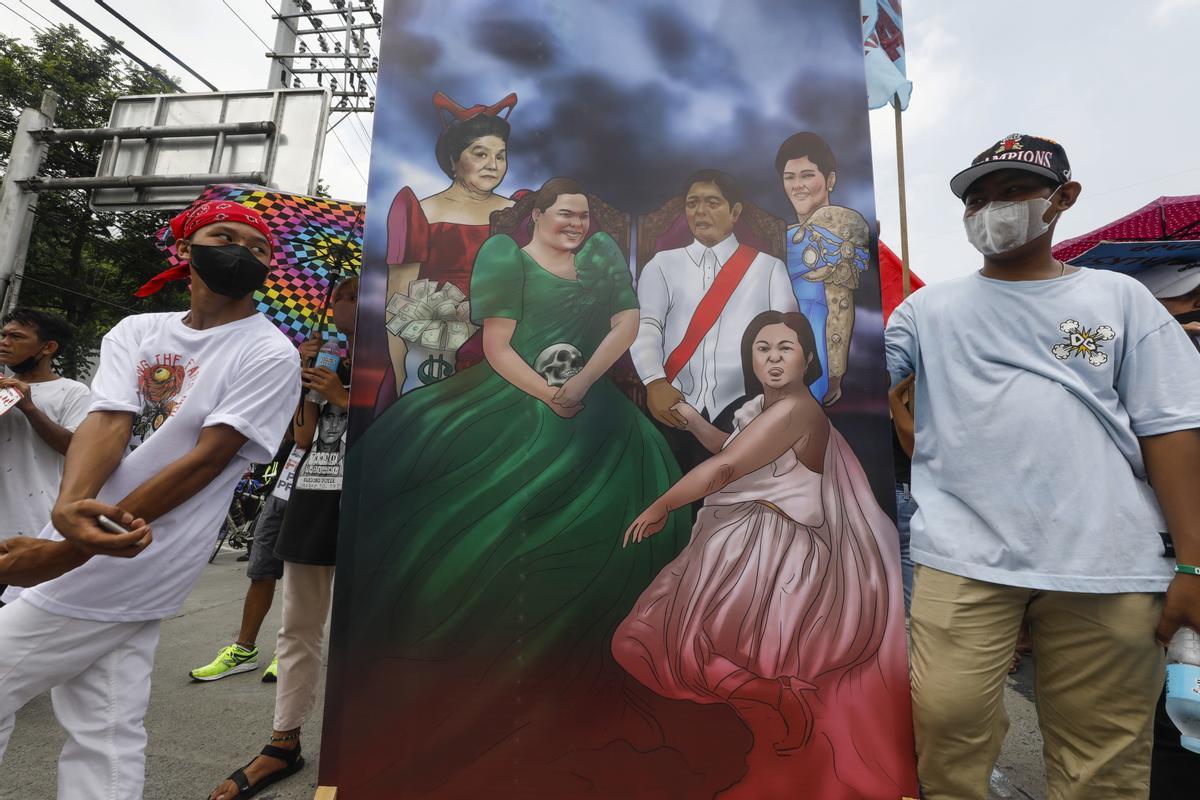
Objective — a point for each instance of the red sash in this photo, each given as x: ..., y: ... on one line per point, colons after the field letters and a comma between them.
x: 710, y: 308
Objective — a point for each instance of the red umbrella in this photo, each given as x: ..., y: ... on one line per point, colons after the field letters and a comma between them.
x: 1165, y: 218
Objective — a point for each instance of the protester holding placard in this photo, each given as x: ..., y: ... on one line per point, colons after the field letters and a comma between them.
x: 1056, y: 449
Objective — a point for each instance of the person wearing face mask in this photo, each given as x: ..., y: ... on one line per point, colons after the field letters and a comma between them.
x: 1056, y: 448
x: 182, y: 403
x: 36, y: 431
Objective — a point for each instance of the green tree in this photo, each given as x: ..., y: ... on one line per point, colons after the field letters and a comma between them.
x: 82, y: 264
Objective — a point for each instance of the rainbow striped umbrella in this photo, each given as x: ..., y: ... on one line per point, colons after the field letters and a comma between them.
x: 318, y: 240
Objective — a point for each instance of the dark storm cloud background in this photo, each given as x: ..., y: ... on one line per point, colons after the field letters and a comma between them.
x: 630, y: 97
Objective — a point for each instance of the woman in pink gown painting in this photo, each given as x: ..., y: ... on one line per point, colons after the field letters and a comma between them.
x: 786, y: 603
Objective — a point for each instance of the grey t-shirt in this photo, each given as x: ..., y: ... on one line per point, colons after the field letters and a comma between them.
x: 1030, y: 399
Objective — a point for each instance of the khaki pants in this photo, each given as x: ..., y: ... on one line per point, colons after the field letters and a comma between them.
x: 1098, y: 675
x: 307, y: 590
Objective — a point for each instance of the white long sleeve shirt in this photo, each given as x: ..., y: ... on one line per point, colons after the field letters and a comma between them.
x: 669, y: 290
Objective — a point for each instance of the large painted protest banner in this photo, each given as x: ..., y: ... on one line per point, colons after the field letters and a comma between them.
x: 614, y: 520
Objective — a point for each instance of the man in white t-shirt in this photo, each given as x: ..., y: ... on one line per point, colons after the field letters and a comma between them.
x: 34, y: 433
x: 182, y: 403
x: 696, y: 303
x: 1057, y: 445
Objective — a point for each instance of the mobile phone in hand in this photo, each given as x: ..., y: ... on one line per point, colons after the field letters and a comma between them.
x: 110, y: 526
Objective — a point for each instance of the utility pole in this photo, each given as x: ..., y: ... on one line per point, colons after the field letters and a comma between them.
x: 285, y: 42
x: 17, y: 205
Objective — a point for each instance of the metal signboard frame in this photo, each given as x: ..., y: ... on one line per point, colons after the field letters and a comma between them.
x: 273, y: 137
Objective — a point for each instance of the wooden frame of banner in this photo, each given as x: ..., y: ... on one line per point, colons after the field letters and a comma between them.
x: 326, y: 793
x: 907, y: 280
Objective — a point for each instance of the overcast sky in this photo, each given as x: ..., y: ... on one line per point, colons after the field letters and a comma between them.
x: 1112, y: 80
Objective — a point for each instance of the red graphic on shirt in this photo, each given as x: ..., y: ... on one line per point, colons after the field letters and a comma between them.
x: 162, y: 385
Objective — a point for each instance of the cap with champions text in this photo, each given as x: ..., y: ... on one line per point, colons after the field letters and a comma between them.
x: 1035, y: 154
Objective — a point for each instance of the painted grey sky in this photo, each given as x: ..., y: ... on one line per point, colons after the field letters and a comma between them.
x: 1109, y: 79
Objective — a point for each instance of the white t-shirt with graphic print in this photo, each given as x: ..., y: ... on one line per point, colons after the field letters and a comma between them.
x: 1030, y: 398
x: 176, y: 381
x: 30, y: 469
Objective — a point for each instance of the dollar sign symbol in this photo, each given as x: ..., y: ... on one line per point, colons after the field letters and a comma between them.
x: 434, y: 369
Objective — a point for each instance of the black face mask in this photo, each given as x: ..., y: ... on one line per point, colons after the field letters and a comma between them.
x: 26, y: 366
x: 1191, y: 316
x: 228, y: 269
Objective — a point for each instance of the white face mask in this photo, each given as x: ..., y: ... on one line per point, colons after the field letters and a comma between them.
x: 1002, y: 226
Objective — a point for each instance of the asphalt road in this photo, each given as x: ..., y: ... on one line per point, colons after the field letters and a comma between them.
x: 200, y: 732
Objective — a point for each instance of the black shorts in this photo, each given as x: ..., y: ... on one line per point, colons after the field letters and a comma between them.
x: 264, y: 565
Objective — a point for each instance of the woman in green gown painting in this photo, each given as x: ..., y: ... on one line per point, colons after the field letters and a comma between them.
x: 486, y: 551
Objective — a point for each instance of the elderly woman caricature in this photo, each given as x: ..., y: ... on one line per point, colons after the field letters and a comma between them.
x: 783, y: 605
x: 434, y: 241
x: 826, y: 254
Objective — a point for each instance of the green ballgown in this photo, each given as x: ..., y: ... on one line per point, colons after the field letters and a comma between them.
x: 489, y: 576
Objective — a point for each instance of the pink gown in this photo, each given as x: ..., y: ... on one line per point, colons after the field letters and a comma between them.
x: 790, y: 574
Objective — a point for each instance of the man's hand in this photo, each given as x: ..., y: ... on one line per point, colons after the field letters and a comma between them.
x: 21, y: 388
x: 327, y: 384
x: 77, y: 522
x: 1182, y: 608
x: 661, y: 397
x: 25, y: 561
x: 309, y: 349
x: 1192, y: 328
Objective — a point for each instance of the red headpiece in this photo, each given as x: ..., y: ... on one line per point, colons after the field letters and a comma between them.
x: 458, y: 113
x: 192, y: 219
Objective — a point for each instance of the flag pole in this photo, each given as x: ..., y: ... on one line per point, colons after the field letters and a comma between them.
x: 907, y: 279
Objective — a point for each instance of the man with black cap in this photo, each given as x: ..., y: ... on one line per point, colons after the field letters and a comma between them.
x: 1049, y: 400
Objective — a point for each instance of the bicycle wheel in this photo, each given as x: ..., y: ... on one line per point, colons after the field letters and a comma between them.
x: 221, y: 536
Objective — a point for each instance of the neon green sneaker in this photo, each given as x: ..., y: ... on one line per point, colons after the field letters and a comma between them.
x: 229, y: 661
x: 271, y: 673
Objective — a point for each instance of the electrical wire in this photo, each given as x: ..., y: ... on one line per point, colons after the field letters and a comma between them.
x: 154, y: 42
x: 98, y: 299
x: 40, y: 14
x: 114, y: 43
x: 336, y: 136
x: 27, y: 20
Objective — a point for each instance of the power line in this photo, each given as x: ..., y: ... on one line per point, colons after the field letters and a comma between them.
x: 239, y: 16
x: 114, y: 43
x: 40, y: 14
x: 154, y: 42
x: 353, y: 163
x: 28, y: 277
x: 336, y: 137
x: 27, y: 21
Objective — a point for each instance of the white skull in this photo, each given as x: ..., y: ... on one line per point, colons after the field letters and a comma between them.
x: 558, y: 363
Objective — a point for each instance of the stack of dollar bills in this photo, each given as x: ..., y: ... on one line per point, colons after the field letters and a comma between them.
x: 438, y: 318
